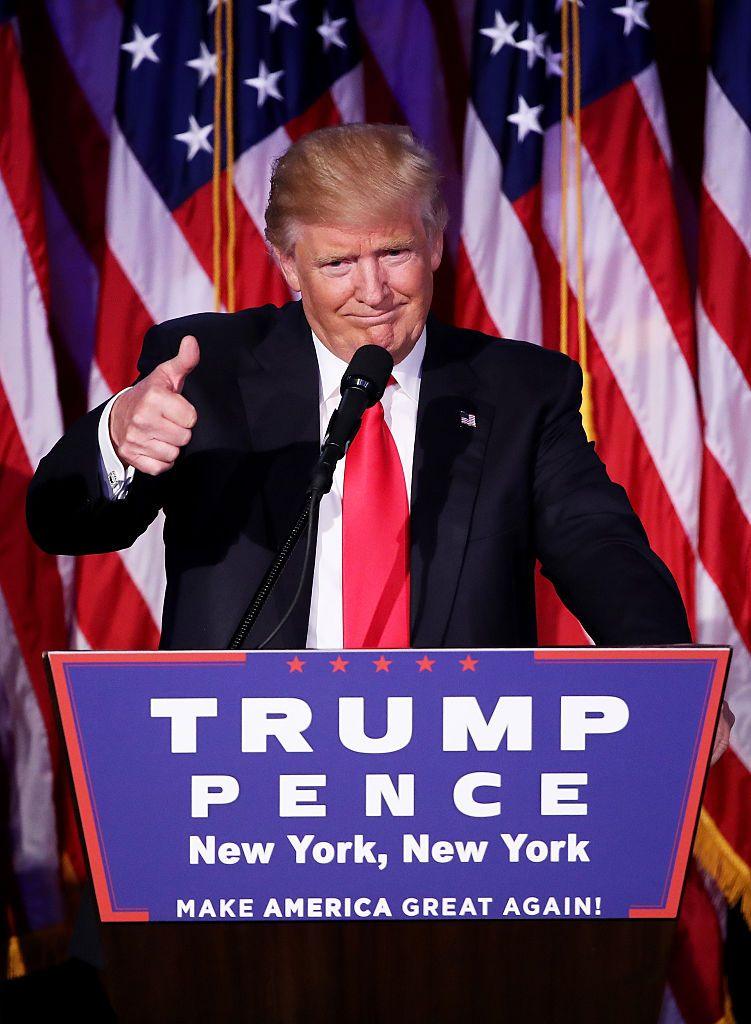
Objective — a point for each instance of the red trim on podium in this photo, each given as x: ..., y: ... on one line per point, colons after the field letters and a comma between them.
x: 702, y: 750
x: 683, y: 840
x: 100, y: 875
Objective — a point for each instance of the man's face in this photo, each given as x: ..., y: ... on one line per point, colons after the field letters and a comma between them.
x: 370, y: 286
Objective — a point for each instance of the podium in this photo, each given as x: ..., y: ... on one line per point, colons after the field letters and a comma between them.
x: 389, y: 835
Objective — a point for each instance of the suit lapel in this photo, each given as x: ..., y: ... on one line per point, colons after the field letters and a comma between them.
x: 452, y: 433
x: 280, y: 392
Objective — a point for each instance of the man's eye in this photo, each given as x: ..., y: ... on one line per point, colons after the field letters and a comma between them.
x: 396, y: 252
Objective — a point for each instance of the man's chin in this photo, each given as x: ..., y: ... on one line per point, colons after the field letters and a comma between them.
x: 394, y: 341
x: 391, y: 334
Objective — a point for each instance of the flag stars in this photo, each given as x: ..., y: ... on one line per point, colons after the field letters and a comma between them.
x: 502, y: 33
x: 204, y: 64
x: 266, y: 84
x: 468, y: 664
x: 382, y: 664
x: 195, y: 138
x: 425, y: 663
x: 330, y: 30
x: 296, y: 664
x: 632, y: 13
x: 338, y: 664
x: 279, y: 11
x: 526, y: 119
x: 141, y: 48
x: 534, y: 45
x: 552, y: 63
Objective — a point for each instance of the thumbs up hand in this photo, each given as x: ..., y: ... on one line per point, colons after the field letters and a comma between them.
x: 151, y: 423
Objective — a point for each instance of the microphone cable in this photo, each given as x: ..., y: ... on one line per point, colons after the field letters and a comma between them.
x: 308, y: 516
x: 312, y: 508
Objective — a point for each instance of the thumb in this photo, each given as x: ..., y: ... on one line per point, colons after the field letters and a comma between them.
x: 187, y: 359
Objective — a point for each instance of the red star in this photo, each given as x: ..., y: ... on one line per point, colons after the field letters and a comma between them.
x: 426, y: 664
x: 468, y: 663
x: 382, y: 664
x: 339, y: 664
x: 295, y: 665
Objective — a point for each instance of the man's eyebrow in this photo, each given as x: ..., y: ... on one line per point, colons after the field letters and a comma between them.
x: 399, y: 243
x: 330, y: 257
x: 396, y: 243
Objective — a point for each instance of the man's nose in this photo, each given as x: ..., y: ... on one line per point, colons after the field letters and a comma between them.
x: 371, y: 286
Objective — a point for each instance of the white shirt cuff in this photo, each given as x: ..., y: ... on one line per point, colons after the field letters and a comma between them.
x: 114, y: 476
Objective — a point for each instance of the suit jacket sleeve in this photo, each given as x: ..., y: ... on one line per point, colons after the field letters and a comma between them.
x: 591, y: 544
x: 67, y: 511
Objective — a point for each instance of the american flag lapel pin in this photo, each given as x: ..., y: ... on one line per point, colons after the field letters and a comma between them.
x: 467, y: 419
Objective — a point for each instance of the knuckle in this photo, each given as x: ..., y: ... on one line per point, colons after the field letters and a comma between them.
x: 154, y: 401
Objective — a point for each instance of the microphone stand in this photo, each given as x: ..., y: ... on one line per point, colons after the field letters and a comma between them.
x: 308, y: 517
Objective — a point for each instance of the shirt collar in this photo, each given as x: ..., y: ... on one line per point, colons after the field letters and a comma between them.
x: 406, y: 373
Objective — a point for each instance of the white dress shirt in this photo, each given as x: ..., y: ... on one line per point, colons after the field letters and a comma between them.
x: 325, y: 626
x: 115, y: 477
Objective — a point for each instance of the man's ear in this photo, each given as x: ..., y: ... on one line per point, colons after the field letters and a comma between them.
x: 436, y: 251
x: 286, y: 261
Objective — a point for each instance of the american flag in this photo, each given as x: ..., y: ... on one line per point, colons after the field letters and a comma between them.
x: 36, y: 807
x: 134, y: 183
x: 723, y: 593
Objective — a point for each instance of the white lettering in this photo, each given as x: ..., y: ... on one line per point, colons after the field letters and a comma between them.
x: 206, y: 790
x: 286, y: 718
x: 464, y: 794
x: 558, y: 793
x: 463, y: 718
x: 296, y: 801
x: 398, y: 726
x: 399, y: 799
x: 583, y: 716
x: 184, y: 713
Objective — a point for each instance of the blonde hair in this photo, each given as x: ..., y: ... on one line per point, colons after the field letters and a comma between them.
x: 352, y: 174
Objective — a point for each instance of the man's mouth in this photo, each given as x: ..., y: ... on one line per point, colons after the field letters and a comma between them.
x: 375, y: 318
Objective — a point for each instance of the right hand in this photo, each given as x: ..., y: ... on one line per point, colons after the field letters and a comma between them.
x: 151, y: 423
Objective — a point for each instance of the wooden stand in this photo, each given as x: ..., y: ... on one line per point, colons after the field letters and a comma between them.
x: 536, y: 972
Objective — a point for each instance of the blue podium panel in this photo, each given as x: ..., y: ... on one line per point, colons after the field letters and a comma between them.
x: 269, y: 786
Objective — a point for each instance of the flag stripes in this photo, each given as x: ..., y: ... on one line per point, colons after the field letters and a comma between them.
x: 671, y: 382
x: 724, y: 347
x: 32, y: 608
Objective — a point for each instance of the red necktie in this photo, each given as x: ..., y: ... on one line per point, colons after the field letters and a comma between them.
x: 375, y: 539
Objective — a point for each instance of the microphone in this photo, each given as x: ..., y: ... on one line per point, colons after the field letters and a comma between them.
x: 362, y: 385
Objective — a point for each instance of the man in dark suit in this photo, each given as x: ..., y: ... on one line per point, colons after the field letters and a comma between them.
x: 487, y: 463
x: 224, y: 425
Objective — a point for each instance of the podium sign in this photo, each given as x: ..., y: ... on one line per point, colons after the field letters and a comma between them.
x: 378, y: 785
